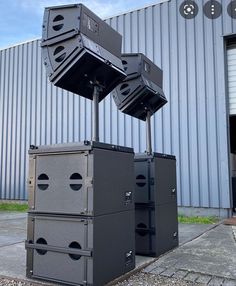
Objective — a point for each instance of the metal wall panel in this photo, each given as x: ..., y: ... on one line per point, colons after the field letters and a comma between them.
x: 231, y: 58
x: 192, y: 126
x: 32, y: 111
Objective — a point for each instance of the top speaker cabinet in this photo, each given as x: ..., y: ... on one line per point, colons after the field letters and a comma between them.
x: 79, y: 49
x: 142, y: 89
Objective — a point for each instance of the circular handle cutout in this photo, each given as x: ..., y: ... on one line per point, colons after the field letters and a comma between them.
x: 58, y: 25
x: 141, y: 229
x: 125, y: 89
x: 76, y: 183
x: 43, y: 184
x: 59, y: 54
x: 44, y: 242
x: 75, y: 245
x: 141, y: 180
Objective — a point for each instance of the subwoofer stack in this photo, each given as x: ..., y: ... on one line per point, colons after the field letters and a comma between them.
x: 81, y: 208
x: 140, y: 95
x: 81, y: 218
x: 155, y: 204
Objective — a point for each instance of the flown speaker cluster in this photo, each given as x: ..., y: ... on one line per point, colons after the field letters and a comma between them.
x: 81, y: 219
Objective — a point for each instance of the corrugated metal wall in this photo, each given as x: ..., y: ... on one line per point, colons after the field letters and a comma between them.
x: 231, y: 59
x: 193, y: 125
x: 32, y: 111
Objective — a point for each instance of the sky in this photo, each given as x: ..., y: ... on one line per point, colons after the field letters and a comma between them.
x: 21, y: 20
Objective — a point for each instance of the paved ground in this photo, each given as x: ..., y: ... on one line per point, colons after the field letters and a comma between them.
x: 209, y: 259
x: 12, y: 251
x: 206, y: 256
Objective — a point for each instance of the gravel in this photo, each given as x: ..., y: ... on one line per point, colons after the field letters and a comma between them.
x: 15, y: 282
x: 146, y: 279
x: 140, y: 279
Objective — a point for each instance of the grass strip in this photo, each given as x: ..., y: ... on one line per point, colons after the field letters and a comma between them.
x: 197, y: 219
x: 13, y: 207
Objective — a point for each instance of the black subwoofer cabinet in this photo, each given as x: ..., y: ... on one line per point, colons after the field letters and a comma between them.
x: 81, y: 179
x: 156, y: 220
x: 80, y: 250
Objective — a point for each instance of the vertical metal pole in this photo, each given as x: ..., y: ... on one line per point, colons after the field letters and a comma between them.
x: 148, y: 133
x: 95, y: 113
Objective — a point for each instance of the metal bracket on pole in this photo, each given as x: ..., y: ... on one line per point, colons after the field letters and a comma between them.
x: 148, y: 133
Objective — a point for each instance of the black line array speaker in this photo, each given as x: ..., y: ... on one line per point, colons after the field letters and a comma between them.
x: 79, y: 48
x: 155, y: 204
x: 142, y: 89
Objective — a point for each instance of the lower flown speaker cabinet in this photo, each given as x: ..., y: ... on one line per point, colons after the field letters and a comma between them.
x: 78, y: 250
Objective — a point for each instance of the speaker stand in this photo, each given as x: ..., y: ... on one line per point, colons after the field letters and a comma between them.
x: 97, y: 88
x: 148, y: 133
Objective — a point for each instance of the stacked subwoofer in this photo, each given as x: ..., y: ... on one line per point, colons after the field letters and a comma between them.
x: 81, y: 213
x: 156, y: 204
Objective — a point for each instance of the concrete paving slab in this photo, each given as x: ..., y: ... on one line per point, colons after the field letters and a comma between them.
x: 13, y: 228
x: 180, y: 274
x: 188, y: 232
x: 142, y: 260
x: 192, y: 277
x: 12, y: 250
x: 216, y: 281
x: 212, y: 254
x: 13, y: 261
x: 169, y: 272
x: 204, y: 279
x: 229, y: 283
x: 156, y: 270
x: 12, y: 215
